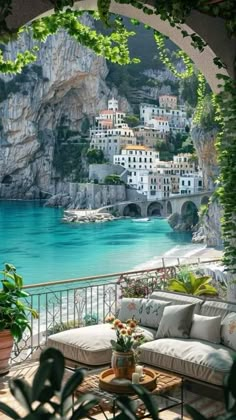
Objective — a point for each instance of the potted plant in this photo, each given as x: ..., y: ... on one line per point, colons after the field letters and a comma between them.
x: 13, y: 313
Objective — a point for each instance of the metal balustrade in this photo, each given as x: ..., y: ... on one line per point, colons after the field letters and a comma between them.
x: 83, y: 301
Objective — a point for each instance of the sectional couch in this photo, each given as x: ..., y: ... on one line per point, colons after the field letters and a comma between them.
x: 187, y: 335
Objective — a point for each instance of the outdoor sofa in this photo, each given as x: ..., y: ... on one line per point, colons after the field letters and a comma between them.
x: 186, y: 335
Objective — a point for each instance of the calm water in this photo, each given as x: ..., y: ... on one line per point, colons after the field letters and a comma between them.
x: 42, y: 248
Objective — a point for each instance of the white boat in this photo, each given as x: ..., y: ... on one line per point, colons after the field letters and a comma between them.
x: 144, y: 219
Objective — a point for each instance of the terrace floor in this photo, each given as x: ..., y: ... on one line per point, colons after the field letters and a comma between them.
x: 27, y: 371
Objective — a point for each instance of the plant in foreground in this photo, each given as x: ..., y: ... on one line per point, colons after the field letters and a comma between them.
x: 13, y: 311
x: 187, y: 282
x: 48, y: 399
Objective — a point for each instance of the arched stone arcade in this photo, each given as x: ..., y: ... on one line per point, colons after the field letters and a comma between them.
x: 154, y: 209
x: 189, y: 213
x: 132, y: 210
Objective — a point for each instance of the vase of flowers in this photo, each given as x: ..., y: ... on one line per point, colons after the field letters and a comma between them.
x: 124, y: 347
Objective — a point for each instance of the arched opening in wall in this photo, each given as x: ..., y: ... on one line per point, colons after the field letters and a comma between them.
x: 189, y: 213
x: 154, y: 209
x: 169, y: 208
x: 132, y: 210
x: 205, y: 200
x: 7, y: 179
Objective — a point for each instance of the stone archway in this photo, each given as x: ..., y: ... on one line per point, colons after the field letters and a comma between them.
x: 189, y: 213
x: 205, y: 200
x: 154, y: 209
x: 132, y: 210
x: 169, y: 208
x: 211, y: 29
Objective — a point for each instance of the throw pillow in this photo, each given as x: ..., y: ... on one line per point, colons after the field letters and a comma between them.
x: 228, y: 330
x: 152, y: 312
x: 206, y: 328
x: 131, y: 308
x: 176, y: 321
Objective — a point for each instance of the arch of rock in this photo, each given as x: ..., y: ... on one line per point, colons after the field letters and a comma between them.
x: 211, y: 29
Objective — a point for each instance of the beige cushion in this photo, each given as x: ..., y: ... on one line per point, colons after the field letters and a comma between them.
x: 152, y: 311
x: 89, y: 345
x: 130, y: 308
x: 176, y: 321
x: 178, y: 299
x: 193, y: 358
x: 206, y: 328
x: 217, y: 307
x: 228, y: 331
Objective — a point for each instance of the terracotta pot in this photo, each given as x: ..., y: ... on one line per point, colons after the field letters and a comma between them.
x: 123, y: 364
x: 6, y: 343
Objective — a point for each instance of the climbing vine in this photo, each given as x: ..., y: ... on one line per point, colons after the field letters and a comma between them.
x: 187, y: 73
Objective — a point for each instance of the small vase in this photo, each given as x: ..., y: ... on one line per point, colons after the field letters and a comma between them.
x: 123, y: 364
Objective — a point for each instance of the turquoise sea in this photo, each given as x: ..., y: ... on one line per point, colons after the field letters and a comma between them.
x: 43, y: 248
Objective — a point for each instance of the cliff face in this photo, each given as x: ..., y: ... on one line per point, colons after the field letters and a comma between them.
x: 209, y: 231
x: 42, y: 109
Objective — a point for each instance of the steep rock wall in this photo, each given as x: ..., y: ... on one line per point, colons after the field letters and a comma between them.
x: 54, y: 99
x: 209, y: 231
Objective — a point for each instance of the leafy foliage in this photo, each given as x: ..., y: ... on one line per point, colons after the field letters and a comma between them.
x: 13, y: 312
x: 48, y: 398
x: 187, y: 282
x: 113, y: 180
x: 95, y: 156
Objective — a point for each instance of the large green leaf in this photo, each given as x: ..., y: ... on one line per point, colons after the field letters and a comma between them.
x: 21, y: 390
x: 87, y: 401
x: 5, y: 409
x: 149, y: 400
x: 40, y: 378
x: 73, y: 382
x: 177, y: 286
x: 58, y: 367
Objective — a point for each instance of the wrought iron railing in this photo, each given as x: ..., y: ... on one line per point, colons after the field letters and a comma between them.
x: 78, y: 302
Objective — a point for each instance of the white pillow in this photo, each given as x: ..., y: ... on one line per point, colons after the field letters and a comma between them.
x: 152, y: 312
x: 228, y: 330
x: 176, y: 321
x: 130, y: 308
x: 206, y: 328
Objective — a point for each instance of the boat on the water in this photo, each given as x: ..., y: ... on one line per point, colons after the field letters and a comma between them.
x: 143, y: 219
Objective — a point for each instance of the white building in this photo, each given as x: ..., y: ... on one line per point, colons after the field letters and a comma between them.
x: 177, y: 118
x: 109, y: 118
x: 190, y: 184
x: 137, y: 157
x: 160, y: 124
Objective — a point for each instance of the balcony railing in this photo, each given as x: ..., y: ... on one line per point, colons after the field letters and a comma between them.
x: 83, y: 301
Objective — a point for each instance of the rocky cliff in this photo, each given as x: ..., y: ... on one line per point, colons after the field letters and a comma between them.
x: 45, y: 113
x: 209, y: 230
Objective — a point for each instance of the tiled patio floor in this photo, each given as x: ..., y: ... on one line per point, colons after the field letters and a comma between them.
x: 27, y: 371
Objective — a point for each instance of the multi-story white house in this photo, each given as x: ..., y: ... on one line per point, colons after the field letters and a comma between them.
x: 190, y: 184
x: 110, y: 117
x: 111, y: 134
x: 137, y: 157
x: 147, y: 136
x: 177, y: 117
x: 161, y: 124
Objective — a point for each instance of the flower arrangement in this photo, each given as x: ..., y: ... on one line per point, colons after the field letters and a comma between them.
x: 127, y: 338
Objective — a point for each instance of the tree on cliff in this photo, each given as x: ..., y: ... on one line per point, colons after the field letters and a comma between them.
x: 95, y: 156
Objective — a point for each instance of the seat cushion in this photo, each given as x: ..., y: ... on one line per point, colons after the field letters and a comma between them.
x: 89, y: 345
x: 192, y: 358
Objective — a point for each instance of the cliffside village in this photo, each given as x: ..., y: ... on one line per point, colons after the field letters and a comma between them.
x: 132, y: 154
